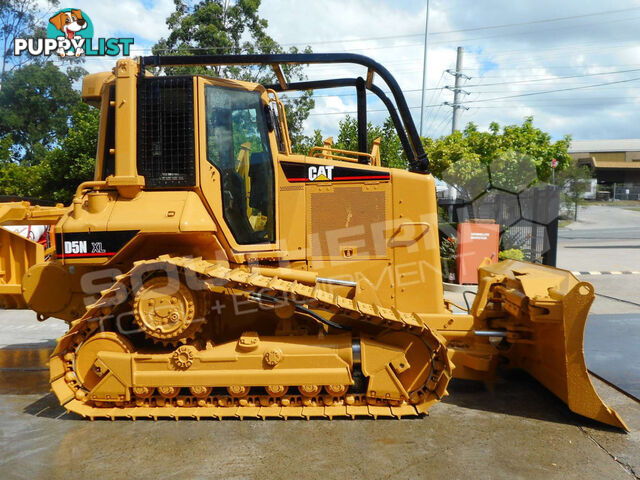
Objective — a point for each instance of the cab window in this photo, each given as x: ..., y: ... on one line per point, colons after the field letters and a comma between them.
x: 238, y: 146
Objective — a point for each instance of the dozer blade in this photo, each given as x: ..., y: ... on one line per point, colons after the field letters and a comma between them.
x: 544, y: 311
x: 17, y: 255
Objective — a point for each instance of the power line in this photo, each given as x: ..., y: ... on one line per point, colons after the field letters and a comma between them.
x: 547, y: 67
x: 565, y: 101
x: 533, y: 32
x: 544, y: 79
x: 532, y: 22
x: 438, y: 88
x: 502, y: 105
x: 578, y: 103
x: 548, y: 79
x: 350, y: 112
x: 513, y: 82
x: 557, y: 90
x: 434, y: 99
x: 444, y: 32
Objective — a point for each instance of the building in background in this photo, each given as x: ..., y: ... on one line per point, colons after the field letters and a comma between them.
x: 614, y: 163
x: 610, y: 160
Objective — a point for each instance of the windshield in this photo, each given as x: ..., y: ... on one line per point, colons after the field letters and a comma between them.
x: 238, y: 146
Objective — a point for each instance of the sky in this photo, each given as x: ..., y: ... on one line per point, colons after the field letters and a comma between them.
x: 572, y: 65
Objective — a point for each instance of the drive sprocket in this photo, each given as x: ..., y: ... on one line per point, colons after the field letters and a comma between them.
x: 167, y: 311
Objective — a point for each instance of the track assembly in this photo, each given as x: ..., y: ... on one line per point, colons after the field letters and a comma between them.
x: 102, y: 374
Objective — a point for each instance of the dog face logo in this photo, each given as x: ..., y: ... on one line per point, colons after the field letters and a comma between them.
x: 70, y: 22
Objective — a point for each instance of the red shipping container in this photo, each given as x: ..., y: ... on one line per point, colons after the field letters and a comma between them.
x: 476, y: 241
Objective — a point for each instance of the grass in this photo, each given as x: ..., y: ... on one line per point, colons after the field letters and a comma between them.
x: 564, y: 223
x: 634, y: 209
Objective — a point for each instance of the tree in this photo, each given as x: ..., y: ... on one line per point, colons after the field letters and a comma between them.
x: 574, y: 181
x: 391, y: 151
x: 73, y: 161
x: 304, y: 146
x: 62, y: 169
x: 14, y: 179
x: 446, y: 151
x: 36, y: 102
x: 18, y: 180
x: 232, y: 27
x: 511, y: 155
x: 18, y: 19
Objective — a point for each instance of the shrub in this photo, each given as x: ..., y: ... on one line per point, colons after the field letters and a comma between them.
x: 511, y: 254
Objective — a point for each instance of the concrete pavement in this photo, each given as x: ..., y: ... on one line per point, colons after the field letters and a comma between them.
x: 516, y: 430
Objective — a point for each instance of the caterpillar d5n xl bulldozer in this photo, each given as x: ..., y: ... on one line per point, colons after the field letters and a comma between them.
x: 208, y: 271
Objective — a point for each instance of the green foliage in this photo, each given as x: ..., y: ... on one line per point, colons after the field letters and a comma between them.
x: 16, y: 179
x: 516, y: 239
x: 297, y: 110
x: 448, y: 256
x: 35, y: 105
x: 73, y: 161
x: 391, y: 151
x: 446, y: 151
x: 512, y: 156
x: 575, y: 183
x: 232, y: 27
x: 511, y: 254
x: 448, y: 247
x: 18, y: 19
x: 5, y: 149
x: 305, y: 144
x: 62, y: 169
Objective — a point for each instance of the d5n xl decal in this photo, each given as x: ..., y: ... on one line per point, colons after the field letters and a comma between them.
x: 92, y: 244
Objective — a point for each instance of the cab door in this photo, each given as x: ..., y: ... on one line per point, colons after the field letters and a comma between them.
x: 236, y: 163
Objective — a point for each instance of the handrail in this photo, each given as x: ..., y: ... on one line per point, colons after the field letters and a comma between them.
x: 320, y: 150
x: 282, y: 117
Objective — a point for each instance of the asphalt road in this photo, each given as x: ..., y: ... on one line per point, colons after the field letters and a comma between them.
x: 603, y: 223
x: 596, y: 234
x: 611, y: 349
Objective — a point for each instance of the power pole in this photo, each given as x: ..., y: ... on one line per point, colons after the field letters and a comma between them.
x: 424, y: 68
x: 457, y: 90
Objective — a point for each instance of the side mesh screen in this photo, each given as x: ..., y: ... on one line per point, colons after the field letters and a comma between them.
x: 166, y: 143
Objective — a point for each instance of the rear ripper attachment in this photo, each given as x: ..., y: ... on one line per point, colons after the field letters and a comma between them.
x: 360, y: 360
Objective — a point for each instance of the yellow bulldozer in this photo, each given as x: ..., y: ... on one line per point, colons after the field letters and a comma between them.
x: 209, y: 271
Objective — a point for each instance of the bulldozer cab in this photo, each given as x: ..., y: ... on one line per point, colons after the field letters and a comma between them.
x: 211, y: 135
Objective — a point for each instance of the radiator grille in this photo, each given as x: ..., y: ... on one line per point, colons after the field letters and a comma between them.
x: 166, y: 143
x: 347, y: 216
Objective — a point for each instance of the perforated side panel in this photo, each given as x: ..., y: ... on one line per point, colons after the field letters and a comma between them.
x: 166, y: 142
x: 347, y: 217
